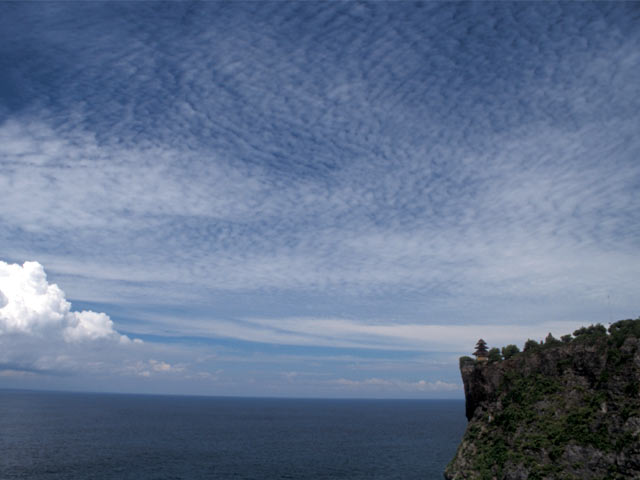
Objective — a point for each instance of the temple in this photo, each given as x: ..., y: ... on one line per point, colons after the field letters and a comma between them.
x: 481, y: 353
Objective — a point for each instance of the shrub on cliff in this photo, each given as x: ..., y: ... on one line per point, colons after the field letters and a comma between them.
x: 591, y: 331
x: 509, y: 351
x: 551, y: 341
x: 530, y: 346
x: 619, y: 331
x: 494, y: 355
x: 465, y: 359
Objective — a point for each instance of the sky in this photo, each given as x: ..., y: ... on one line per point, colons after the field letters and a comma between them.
x: 309, y: 199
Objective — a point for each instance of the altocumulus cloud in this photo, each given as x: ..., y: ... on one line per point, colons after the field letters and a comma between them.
x: 373, y: 184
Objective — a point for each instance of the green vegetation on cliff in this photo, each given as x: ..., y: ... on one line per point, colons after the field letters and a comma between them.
x: 560, y: 409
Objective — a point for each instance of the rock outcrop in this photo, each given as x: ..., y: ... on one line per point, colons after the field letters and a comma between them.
x: 558, y: 410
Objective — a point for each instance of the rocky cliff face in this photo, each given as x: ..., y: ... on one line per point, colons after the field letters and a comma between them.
x: 559, y: 410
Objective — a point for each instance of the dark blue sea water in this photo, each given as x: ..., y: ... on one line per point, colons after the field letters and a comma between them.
x: 102, y: 436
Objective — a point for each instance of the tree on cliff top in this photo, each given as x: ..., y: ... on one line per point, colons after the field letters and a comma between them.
x: 509, y: 351
x: 530, y: 345
x: 494, y: 355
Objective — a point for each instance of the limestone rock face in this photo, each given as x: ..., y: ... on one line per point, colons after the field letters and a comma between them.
x: 557, y: 411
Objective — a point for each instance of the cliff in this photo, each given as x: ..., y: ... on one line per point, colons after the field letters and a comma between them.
x: 558, y: 410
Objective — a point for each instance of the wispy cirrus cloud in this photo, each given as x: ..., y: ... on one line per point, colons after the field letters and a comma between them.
x: 510, y: 226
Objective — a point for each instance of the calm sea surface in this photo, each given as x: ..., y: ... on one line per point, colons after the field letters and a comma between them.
x: 102, y: 436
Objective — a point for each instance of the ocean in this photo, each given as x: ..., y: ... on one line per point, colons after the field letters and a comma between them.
x: 51, y: 435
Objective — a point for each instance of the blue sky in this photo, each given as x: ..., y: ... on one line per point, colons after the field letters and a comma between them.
x: 309, y: 199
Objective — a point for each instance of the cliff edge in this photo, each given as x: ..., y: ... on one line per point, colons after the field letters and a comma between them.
x: 565, y: 409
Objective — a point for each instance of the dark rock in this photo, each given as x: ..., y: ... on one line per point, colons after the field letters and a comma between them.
x: 560, y: 410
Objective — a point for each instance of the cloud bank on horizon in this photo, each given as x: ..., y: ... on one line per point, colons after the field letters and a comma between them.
x: 360, y: 188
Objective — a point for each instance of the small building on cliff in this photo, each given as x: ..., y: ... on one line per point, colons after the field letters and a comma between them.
x: 481, y: 353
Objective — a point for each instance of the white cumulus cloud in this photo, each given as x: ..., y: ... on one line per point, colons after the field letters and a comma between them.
x: 30, y: 305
